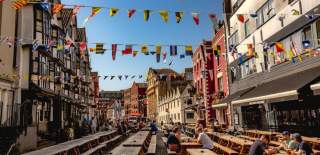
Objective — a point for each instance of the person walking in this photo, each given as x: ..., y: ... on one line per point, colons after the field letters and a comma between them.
x: 94, y: 125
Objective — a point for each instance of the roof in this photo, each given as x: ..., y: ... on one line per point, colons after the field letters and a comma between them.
x: 163, y: 71
x: 283, y: 89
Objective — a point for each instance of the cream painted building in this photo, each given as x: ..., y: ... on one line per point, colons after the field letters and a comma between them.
x: 9, y: 95
x: 170, y: 107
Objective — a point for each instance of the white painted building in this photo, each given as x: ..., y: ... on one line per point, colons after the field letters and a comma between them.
x: 170, y: 107
x: 269, y: 87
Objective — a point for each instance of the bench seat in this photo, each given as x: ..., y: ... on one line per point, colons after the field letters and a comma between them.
x: 224, y: 149
x: 152, y: 146
x: 93, y: 150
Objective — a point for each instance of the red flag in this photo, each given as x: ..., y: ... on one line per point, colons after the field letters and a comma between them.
x: 127, y: 50
x: 2, y: 1
x: 279, y: 47
x: 75, y: 10
x: 195, y: 17
x: 131, y: 12
x: 114, y: 51
x: 241, y: 18
x: 83, y: 46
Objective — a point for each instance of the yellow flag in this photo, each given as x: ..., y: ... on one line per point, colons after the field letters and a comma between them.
x: 165, y: 15
x: 146, y: 14
x: 158, y: 49
x: 113, y: 11
x: 95, y: 11
x: 144, y: 49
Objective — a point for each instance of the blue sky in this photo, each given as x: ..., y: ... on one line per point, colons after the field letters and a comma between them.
x: 120, y: 29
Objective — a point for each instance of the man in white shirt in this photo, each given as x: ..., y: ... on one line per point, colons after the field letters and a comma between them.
x: 204, y: 139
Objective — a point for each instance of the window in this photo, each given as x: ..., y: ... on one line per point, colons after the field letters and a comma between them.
x: 307, y: 35
x: 178, y: 116
x: 265, y: 13
x: 234, y: 39
x: 246, y: 28
x: 220, y: 84
x: 190, y: 115
x: 249, y: 67
x: 42, y: 26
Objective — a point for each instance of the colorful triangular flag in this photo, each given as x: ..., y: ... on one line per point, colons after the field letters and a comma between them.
x: 18, y: 4
x: 250, y: 50
x: 241, y: 18
x: 195, y: 17
x: 279, y: 47
x: 144, y: 49
x: 131, y: 12
x: 164, y: 55
x: 127, y: 50
x: 114, y: 51
x: 158, y: 49
x: 94, y: 11
x: 135, y: 53
x: 158, y: 56
x: 165, y: 15
x: 146, y: 14
x: 188, y: 50
x: 179, y: 16
x: 295, y: 12
x: 173, y: 50
x: 182, y: 56
x: 113, y: 11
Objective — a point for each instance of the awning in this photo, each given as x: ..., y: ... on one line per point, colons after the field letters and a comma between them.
x: 279, y: 90
x: 220, y: 106
x: 316, y: 88
x: 235, y: 96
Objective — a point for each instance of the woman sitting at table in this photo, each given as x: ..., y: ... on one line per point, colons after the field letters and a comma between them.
x: 204, y: 139
x: 304, y: 148
x: 174, y: 140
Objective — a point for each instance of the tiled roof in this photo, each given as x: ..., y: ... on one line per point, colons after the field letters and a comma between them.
x: 66, y: 16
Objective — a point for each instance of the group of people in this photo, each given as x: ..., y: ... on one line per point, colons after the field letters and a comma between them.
x: 174, y: 138
x: 290, y: 143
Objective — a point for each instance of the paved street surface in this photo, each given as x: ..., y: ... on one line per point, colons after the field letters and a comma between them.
x: 161, y: 147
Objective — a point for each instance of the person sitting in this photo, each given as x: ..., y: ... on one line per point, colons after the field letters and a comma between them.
x: 174, y: 140
x: 204, y: 139
x: 259, y: 147
x: 285, y: 141
x: 304, y: 148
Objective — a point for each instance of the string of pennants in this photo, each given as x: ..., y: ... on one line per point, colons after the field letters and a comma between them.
x: 57, y: 7
x: 112, y: 11
x: 278, y: 52
x: 121, y: 77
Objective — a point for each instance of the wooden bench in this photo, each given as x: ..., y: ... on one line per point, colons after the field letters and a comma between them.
x: 225, y: 149
x: 152, y: 146
x: 114, y: 139
x: 93, y: 150
x: 248, y: 137
x: 172, y: 152
x: 316, y: 152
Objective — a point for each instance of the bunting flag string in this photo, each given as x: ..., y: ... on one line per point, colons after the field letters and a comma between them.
x: 195, y: 17
x: 121, y: 77
x: 113, y: 11
x: 94, y: 11
x: 165, y: 15
x: 57, y: 8
x: 18, y: 4
x: 179, y: 16
x: 146, y: 15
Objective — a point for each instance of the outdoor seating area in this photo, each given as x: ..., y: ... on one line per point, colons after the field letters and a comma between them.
x: 140, y: 143
x: 99, y: 142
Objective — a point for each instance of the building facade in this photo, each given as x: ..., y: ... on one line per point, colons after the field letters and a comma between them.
x: 127, y: 102
x: 273, y: 62
x: 159, y: 81
x: 220, y: 71
x: 170, y: 107
x: 106, y: 103
x: 10, y: 99
x: 203, y: 77
x: 94, y: 93
x: 138, y: 97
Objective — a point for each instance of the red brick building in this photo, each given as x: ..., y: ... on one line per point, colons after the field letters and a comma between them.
x: 203, y: 78
x: 138, y: 96
x: 94, y: 89
x: 127, y: 102
x: 221, y: 89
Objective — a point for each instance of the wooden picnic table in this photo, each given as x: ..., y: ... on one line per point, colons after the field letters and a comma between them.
x: 200, y: 152
x: 189, y: 145
x: 126, y: 151
x: 258, y: 133
x: 138, y: 139
x: 235, y: 143
x: 73, y: 144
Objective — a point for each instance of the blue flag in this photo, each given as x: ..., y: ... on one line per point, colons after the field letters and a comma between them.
x: 173, y: 50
